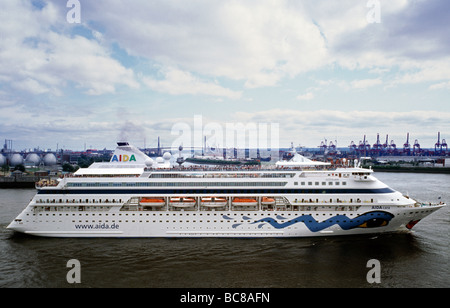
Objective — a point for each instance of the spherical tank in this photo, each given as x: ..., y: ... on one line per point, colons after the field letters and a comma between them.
x: 33, y: 158
x: 50, y: 159
x: 16, y: 159
x: 2, y: 160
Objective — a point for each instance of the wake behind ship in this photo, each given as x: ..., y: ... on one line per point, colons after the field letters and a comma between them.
x: 135, y: 196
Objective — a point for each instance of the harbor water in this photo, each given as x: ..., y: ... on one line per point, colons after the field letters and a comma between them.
x: 416, y: 259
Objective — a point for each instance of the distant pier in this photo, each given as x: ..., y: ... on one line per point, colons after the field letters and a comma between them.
x: 414, y: 169
x: 21, y: 181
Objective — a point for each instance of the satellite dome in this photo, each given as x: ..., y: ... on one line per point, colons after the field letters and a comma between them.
x: 16, y: 159
x: 50, y: 159
x: 167, y: 156
x: 33, y: 158
x: 149, y: 162
x: 160, y: 160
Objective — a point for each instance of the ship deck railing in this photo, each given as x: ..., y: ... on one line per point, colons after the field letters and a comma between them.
x: 428, y: 204
x: 242, y: 168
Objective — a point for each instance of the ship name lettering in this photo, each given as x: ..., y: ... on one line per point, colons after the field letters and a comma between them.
x: 123, y: 158
x: 379, y: 207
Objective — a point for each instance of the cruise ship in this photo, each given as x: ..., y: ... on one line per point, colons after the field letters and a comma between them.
x: 133, y: 195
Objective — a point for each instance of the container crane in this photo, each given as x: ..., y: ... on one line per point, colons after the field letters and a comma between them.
x: 406, y: 145
x: 332, y: 148
x: 377, y: 147
x: 444, y: 144
x: 437, y: 145
x: 416, y: 147
x: 323, y: 146
x: 392, y: 147
x: 386, y: 144
x: 364, y: 146
x: 352, y: 147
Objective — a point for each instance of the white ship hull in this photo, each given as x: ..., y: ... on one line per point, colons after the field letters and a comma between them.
x: 366, y: 220
x: 137, y: 201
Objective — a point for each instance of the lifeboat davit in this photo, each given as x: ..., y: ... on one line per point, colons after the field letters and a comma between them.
x: 182, y: 202
x: 245, y: 201
x: 152, y: 202
x: 214, y: 201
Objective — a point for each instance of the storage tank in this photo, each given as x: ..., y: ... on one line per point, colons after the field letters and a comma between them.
x: 16, y: 159
x: 50, y: 159
x: 33, y: 159
x: 2, y: 160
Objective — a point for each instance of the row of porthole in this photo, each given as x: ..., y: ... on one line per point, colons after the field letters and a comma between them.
x: 261, y: 214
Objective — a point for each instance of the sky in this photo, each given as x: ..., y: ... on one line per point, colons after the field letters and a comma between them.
x: 78, y: 73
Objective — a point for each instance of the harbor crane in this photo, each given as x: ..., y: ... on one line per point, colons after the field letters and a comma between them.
x: 444, y: 145
x: 392, y: 147
x: 352, y: 147
x: 377, y: 147
x: 407, y: 146
x: 439, y: 146
x: 323, y: 146
x: 416, y: 147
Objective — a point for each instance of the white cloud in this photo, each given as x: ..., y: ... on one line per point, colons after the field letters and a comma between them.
x: 257, y: 42
x: 425, y: 71
x: 262, y: 43
x: 31, y: 86
x: 412, y: 38
x: 177, y: 82
x: 256, y: 53
x: 365, y: 83
x: 442, y: 85
x: 41, y: 60
x: 307, y: 96
x: 309, y: 127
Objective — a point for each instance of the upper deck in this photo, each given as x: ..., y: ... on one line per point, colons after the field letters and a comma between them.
x: 129, y: 167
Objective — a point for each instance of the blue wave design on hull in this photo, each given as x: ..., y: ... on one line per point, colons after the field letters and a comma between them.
x: 367, y: 220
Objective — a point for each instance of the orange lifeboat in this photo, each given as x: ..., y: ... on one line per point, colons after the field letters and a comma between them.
x: 152, y: 201
x: 245, y: 201
x: 267, y: 201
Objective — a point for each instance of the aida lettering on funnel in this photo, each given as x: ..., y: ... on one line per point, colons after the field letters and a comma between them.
x: 123, y: 158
